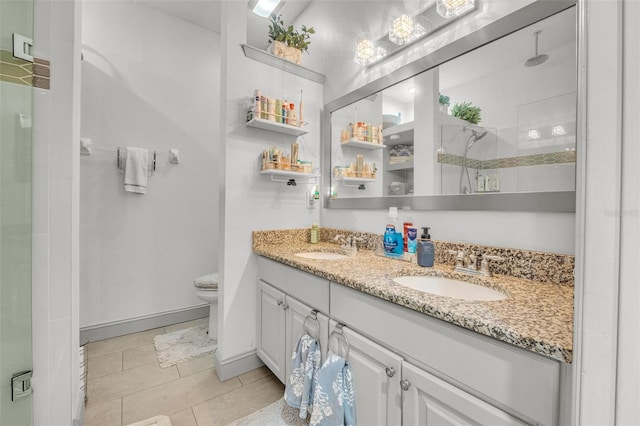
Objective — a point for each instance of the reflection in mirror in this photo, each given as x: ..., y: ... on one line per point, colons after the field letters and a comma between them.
x: 425, y: 136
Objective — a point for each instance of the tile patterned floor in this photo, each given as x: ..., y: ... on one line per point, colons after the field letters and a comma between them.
x: 125, y: 384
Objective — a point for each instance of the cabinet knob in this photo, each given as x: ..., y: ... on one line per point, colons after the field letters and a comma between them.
x: 280, y: 303
x: 404, y: 384
x: 285, y: 307
x: 390, y: 371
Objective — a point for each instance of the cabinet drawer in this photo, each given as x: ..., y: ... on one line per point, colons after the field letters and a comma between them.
x: 307, y: 288
x: 495, y: 371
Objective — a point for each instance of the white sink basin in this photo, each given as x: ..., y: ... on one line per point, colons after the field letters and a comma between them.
x: 321, y: 255
x: 448, y: 287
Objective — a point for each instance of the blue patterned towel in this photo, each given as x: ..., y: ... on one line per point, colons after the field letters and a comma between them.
x: 334, y: 402
x: 299, y: 389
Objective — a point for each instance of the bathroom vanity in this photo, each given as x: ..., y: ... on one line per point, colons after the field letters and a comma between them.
x: 418, y: 358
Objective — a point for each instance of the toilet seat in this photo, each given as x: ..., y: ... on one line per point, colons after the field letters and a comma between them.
x: 207, y: 282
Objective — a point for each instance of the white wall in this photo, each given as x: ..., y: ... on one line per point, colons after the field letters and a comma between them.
x: 56, y: 125
x: 148, y: 80
x: 250, y: 201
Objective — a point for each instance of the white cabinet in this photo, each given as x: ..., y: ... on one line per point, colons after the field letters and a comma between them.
x: 376, y: 380
x: 271, y: 329
x: 280, y: 325
x: 451, y: 375
x: 427, y: 400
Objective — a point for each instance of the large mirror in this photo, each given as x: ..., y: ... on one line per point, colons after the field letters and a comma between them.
x: 492, y: 128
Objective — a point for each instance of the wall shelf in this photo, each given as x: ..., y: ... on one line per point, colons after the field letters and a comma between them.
x: 276, y: 62
x: 407, y: 165
x: 404, y: 132
x: 274, y: 126
x: 354, y: 181
x: 364, y: 145
x: 288, y: 176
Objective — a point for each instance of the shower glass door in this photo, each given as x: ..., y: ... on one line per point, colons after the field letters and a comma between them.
x: 16, y: 17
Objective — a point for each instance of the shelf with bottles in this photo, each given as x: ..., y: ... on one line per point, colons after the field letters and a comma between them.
x: 362, y: 135
x: 286, y: 167
x: 276, y: 115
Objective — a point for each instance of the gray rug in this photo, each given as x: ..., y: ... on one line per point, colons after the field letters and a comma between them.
x: 276, y: 414
x: 182, y: 345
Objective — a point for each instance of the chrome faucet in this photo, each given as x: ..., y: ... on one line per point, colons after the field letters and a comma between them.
x: 468, y: 263
x: 348, y: 244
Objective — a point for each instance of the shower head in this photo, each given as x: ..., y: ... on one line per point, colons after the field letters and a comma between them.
x: 537, y: 59
x: 475, y: 136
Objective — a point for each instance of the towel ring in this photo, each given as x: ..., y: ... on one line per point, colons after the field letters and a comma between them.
x: 337, y: 334
x: 313, y: 316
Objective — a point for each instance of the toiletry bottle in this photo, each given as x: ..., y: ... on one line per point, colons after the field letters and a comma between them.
x: 256, y: 105
x: 314, y: 233
x: 405, y: 228
x: 390, y: 240
x: 292, y: 117
x: 426, y: 249
x: 412, y: 239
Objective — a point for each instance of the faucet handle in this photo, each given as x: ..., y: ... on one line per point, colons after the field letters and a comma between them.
x: 460, y: 255
x: 484, y: 265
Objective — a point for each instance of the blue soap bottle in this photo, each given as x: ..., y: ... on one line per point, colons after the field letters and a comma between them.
x: 426, y: 249
x: 390, y: 239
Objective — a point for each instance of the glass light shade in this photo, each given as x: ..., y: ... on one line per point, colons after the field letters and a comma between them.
x: 401, y: 29
x: 382, y: 50
x: 365, y: 49
x: 451, y: 8
x: 422, y: 26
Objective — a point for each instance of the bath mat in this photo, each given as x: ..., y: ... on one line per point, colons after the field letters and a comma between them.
x: 276, y: 414
x: 182, y: 345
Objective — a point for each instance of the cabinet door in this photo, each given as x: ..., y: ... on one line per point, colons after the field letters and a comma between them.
x: 427, y: 400
x: 271, y: 329
x: 296, y: 312
x: 376, y: 380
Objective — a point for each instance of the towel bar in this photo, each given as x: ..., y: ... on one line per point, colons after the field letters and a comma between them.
x: 121, y: 160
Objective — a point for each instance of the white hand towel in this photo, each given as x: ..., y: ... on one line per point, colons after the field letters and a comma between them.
x: 135, y: 170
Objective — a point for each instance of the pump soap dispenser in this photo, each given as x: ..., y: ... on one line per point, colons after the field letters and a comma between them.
x: 426, y: 249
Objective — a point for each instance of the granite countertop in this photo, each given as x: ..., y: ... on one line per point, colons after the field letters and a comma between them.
x: 535, y: 316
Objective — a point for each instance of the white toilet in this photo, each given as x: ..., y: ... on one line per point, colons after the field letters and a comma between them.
x: 207, y: 290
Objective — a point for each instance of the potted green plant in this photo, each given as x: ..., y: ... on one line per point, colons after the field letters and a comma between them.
x: 467, y: 112
x: 287, y: 42
x: 443, y: 100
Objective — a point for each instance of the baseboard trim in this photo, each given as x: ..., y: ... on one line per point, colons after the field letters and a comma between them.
x: 146, y: 322
x: 237, y: 365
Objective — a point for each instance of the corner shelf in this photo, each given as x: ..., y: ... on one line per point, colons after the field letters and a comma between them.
x: 365, y: 145
x: 276, y: 62
x: 274, y: 126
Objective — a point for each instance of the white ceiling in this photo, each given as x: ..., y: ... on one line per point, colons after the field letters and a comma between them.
x: 206, y: 14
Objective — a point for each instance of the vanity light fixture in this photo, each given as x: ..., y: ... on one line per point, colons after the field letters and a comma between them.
x: 451, y: 8
x: 411, y: 90
x: 265, y: 8
x: 401, y: 29
x: 405, y: 29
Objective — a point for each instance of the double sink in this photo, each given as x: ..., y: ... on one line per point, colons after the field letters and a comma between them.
x: 440, y: 286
